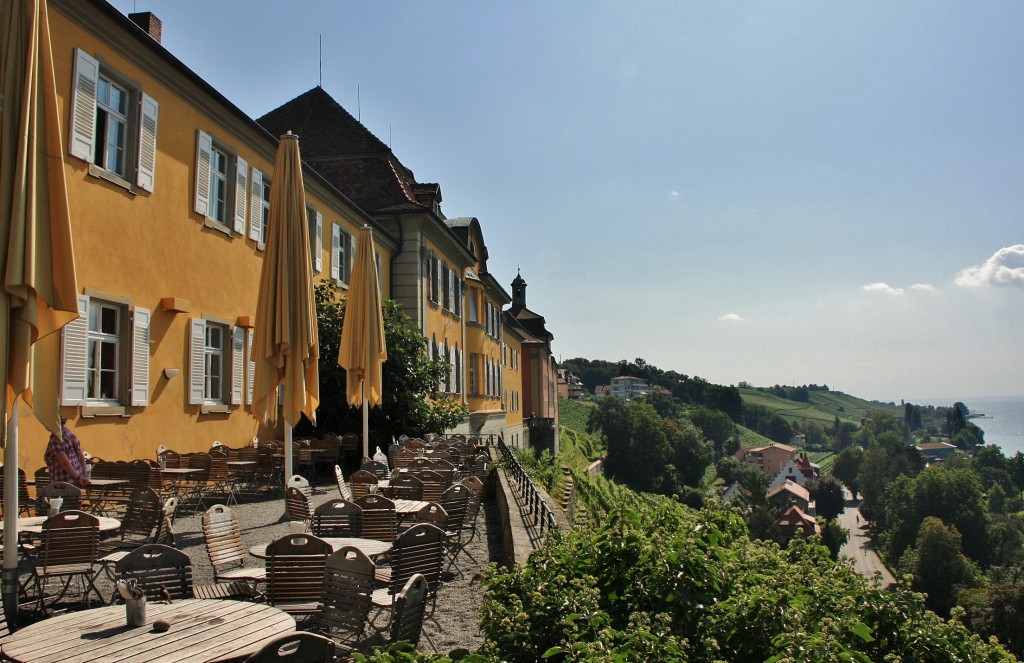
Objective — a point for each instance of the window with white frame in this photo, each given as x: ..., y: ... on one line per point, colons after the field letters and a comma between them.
x: 113, y: 124
x: 216, y: 363
x: 342, y: 252
x: 222, y: 185
x: 473, y: 315
x: 105, y: 355
x: 315, y: 224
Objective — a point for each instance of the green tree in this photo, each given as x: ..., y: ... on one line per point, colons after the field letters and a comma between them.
x: 998, y: 611
x: 828, y: 496
x: 716, y: 426
x: 846, y: 468
x: 939, y: 567
x: 410, y: 404
x: 834, y: 536
x: 844, y: 435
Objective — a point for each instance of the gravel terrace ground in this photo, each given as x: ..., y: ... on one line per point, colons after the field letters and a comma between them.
x: 262, y: 519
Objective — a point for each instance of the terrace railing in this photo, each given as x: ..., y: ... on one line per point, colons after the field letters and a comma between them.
x: 535, y: 510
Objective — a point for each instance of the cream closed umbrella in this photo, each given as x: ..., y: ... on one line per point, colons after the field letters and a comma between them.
x: 37, y: 262
x: 363, y: 350
x: 285, y: 345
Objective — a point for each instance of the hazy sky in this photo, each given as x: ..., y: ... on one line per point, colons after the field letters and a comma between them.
x: 784, y: 192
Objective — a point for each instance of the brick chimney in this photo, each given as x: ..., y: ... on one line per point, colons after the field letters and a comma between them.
x: 150, y: 23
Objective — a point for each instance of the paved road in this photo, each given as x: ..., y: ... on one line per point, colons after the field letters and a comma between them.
x: 860, y: 547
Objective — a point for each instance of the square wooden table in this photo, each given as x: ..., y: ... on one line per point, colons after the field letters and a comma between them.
x: 202, y: 630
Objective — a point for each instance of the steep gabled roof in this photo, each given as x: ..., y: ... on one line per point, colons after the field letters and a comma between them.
x: 349, y: 156
x: 794, y: 517
x: 791, y: 487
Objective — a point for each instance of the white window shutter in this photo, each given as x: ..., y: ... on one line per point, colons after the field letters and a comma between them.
x: 147, y: 143
x: 251, y: 366
x: 318, y: 258
x: 83, y: 106
x: 74, y: 347
x: 140, y: 356
x: 349, y: 257
x: 197, y: 361
x: 237, y: 364
x: 335, y: 252
x: 256, y: 219
x: 204, y: 154
x: 241, y: 193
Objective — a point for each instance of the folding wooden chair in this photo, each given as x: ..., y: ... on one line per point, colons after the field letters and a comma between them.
x: 344, y: 608
x: 67, y: 552
x: 338, y: 518
x: 300, y: 482
x: 224, y: 546
x: 418, y: 550
x: 379, y: 469
x: 379, y: 519
x: 360, y: 481
x: 297, y: 505
x: 295, y: 648
x: 165, y: 573
x: 343, y: 489
x: 409, y: 610
x: 295, y: 573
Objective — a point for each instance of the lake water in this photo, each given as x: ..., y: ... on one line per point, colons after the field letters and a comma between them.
x: 1003, y: 422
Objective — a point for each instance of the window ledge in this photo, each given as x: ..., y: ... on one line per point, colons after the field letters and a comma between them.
x: 214, y: 224
x: 89, y: 411
x: 113, y: 178
x: 214, y: 408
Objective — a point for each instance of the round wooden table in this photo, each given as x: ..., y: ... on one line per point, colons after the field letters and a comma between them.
x: 35, y: 524
x: 370, y: 547
x: 201, y: 630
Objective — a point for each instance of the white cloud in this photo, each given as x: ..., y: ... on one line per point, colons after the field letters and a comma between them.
x: 924, y: 287
x: 1005, y: 267
x: 883, y: 288
x: 731, y: 317
x: 673, y: 194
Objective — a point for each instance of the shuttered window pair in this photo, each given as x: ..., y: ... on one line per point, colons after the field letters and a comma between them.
x: 217, y: 358
x: 259, y: 206
x: 315, y: 221
x: 343, y: 249
x: 222, y: 184
x: 105, y: 355
x: 434, y: 267
x: 113, y: 124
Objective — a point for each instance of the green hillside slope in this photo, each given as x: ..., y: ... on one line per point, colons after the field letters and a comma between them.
x: 823, y: 408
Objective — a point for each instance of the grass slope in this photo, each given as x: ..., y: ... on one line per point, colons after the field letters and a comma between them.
x: 824, y: 407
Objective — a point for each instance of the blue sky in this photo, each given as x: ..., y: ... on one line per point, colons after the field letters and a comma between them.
x: 786, y: 192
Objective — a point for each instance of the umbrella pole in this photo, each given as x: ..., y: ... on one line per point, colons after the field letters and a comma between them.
x: 366, y: 422
x: 10, y: 574
x: 287, y: 452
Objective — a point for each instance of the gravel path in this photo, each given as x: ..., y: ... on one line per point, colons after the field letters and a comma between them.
x: 263, y: 520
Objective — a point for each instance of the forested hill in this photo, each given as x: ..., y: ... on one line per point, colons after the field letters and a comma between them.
x: 806, y: 403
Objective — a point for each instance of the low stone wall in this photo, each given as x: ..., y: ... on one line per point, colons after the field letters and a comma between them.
x: 517, y: 541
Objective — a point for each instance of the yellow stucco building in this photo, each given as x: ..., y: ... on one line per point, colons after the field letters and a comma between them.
x: 168, y: 184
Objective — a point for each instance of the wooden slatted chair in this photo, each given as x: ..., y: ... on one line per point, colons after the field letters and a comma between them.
x: 402, y: 458
x: 343, y: 488
x: 479, y: 467
x: 165, y: 573
x: 222, y: 483
x: 141, y: 520
x: 67, y: 552
x: 379, y: 469
x: 409, y: 611
x: 300, y: 482
x: 360, y: 481
x: 297, y: 505
x: 70, y: 493
x: 405, y: 486
x: 24, y: 501
x: 338, y: 518
x: 297, y: 647
x: 418, y: 550
x: 351, y: 448
x: 295, y: 573
x: 344, y: 608
x: 433, y: 484
x: 224, y: 546
x: 379, y: 520
x: 455, y: 501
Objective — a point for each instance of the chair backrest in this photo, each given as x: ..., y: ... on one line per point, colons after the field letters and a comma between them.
x: 405, y: 486
x: 71, y: 494
x: 419, y: 549
x: 433, y: 484
x: 479, y: 469
x: 223, y: 536
x: 402, y: 458
x: 359, y: 481
x: 433, y: 513
x: 415, y: 443
x: 297, y: 504
x: 300, y: 482
x: 299, y: 647
x: 338, y: 518
x: 70, y: 537
x: 347, y: 595
x: 409, y: 611
x: 295, y: 568
x: 158, y: 568
x: 476, y: 494
x: 142, y: 515
x: 24, y: 501
x: 343, y: 489
x: 379, y: 469
x: 379, y: 520
x: 421, y: 463
x: 455, y: 501
x: 350, y: 442
x: 391, y: 454
x: 200, y: 461
x: 165, y: 533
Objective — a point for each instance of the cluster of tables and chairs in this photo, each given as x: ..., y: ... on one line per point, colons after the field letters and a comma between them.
x: 363, y: 567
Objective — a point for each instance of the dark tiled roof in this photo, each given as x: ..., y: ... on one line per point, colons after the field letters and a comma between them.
x: 531, y: 322
x: 349, y: 156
